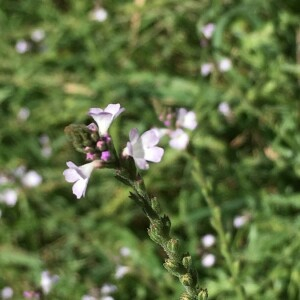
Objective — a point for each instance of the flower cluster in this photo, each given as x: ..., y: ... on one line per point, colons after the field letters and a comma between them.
x: 95, y: 141
x: 176, y: 123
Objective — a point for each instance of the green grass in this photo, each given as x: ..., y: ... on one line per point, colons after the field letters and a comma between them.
x: 147, y: 58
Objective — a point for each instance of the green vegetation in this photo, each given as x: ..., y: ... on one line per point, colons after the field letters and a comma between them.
x: 238, y: 179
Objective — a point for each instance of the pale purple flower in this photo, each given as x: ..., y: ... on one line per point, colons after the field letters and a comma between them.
x: 104, y: 117
x: 208, y: 240
x: 31, y: 295
x: 7, y: 292
x: 47, y: 281
x: 88, y: 297
x: 107, y: 298
x: 38, y: 35
x: 23, y: 113
x: 186, y: 119
x: 224, y: 109
x: 208, y: 260
x: 31, y: 179
x: 125, y: 251
x: 240, y: 221
x: 225, y: 65
x: 9, y: 197
x: 178, y: 139
x: 206, y: 69
x: 22, y: 46
x: 108, y: 288
x: 143, y: 148
x: 99, y: 14
x: 121, y: 271
x: 80, y: 176
x: 208, y: 30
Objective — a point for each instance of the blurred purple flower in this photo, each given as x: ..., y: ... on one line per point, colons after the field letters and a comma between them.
x: 208, y: 30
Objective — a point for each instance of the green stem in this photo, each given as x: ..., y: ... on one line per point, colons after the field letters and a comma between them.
x: 177, y: 263
x: 206, y: 189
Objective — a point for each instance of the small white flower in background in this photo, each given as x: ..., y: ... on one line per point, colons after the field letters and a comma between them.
x: 206, y: 69
x: 22, y: 46
x: 88, y: 297
x: 20, y: 171
x: 99, y: 14
x: 121, y: 271
x: 178, y: 139
x: 108, y: 288
x: 9, y: 197
x: 208, y: 260
x: 224, y: 109
x: 23, y: 113
x: 107, y: 298
x: 46, y: 151
x: 240, y: 221
x: 4, y: 179
x: 7, y: 293
x: 38, y: 35
x: 104, y: 117
x: 142, y: 148
x: 186, y: 119
x: 80, y: 176
x: 46, y: 148
x: 208, y: 30
x: 125, y: 251
x: 208, y: 240
x: 31, y: 179
x: 225, y: 64
x: 47, y: 281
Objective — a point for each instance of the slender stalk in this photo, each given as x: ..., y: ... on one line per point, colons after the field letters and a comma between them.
x: 177, y: 263
x: 206, y: 189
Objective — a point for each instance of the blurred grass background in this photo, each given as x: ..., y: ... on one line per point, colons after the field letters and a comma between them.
x: 140, y: 53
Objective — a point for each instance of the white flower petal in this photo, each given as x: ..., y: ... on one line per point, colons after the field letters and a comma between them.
x: 133, y: 135
x: 71, y: 165
x: 114, y: 109
x: 141, y: 163
x: 154, y: 154
x: 179, y: 139
x: 103, y: 121
x: 79, y: 188
x: 95, y: 110
x: 149, y: 138
x: 71, y: 175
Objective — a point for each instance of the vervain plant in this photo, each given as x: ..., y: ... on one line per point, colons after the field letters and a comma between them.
x: 95, y: 141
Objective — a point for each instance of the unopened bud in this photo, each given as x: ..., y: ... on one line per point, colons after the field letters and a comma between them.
x: 203, y: 294
x: 155, y: 205
x: 187, y: 261
x: 174, y: 268
x: 186, y: 279
x: 173, y: 246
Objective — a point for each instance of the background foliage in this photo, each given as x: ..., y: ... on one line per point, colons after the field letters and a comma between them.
x: 149, y: 52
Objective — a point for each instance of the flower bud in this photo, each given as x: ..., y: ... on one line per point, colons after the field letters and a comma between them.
x: 203, y: 294
x: 155, y: 205
x: 186, y: 279
x: 187, y: 261
x: 173, y: 246
x: 174, y: 268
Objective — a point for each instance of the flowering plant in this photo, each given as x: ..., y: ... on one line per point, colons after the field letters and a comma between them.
x: 96, y: 142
